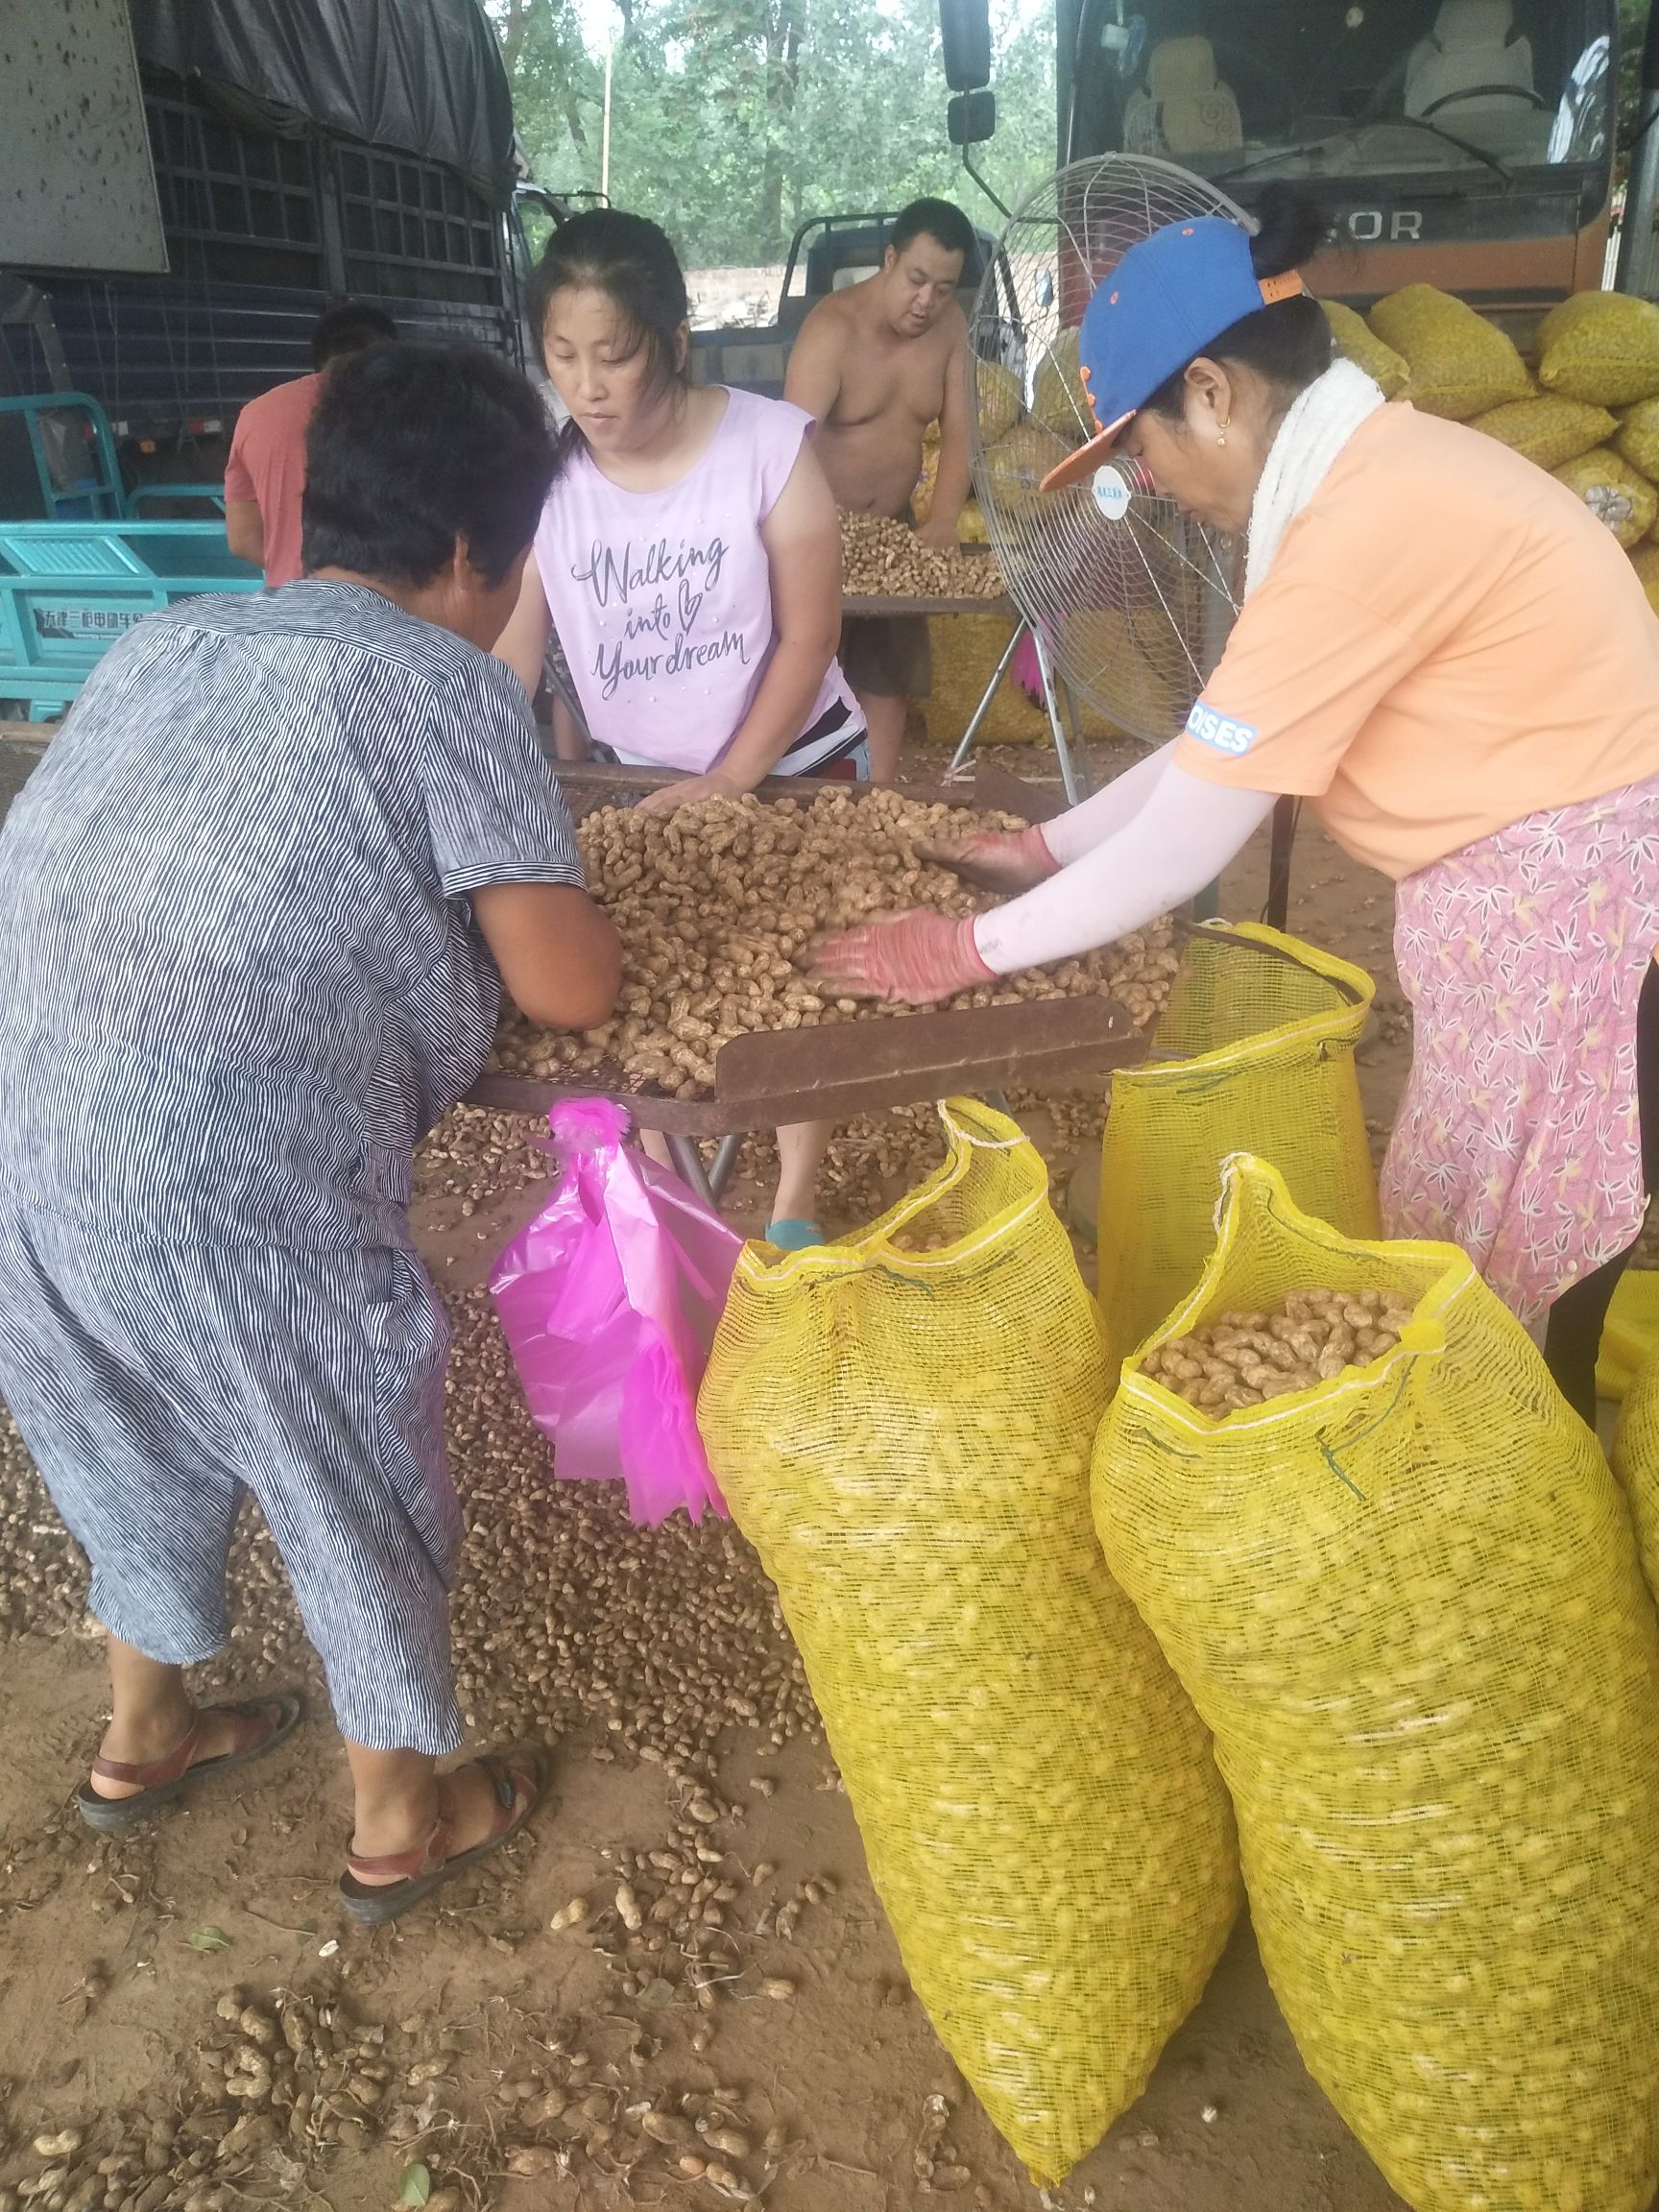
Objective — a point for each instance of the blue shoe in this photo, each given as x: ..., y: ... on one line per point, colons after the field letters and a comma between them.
x: 794, y: 1235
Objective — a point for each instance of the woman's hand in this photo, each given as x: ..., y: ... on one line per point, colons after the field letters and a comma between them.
x: 912, y: 958
x: 687, y: 790
x: 996, y: 860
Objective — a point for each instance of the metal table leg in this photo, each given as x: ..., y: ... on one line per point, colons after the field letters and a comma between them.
x: 1074, y: 791
x: 687, y: 1158
x: 959, y: 758
x: 726, y: 1155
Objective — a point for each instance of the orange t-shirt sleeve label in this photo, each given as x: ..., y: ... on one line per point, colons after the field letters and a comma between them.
x: 1301, y: 674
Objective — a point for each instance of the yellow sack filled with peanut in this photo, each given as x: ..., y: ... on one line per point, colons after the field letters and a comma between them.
x: 901, y: 1423
x: 1254, y: 1052
x: 1356, y: 342
x: 1406, y: 1600
x: 1000, y: 400
x: 1460, y: 364
x: 1636, y: 1462
x: 1059, y: 400
x: 1011, y: 472
x: 1638, y: 438
x: 1645, y: 559
x: 967, y: 649
x: 1602, y: 347
x: 1613, y: 492
x: 1549, y: 431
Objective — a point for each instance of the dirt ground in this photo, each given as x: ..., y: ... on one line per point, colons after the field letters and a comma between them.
x: 476, y: 2048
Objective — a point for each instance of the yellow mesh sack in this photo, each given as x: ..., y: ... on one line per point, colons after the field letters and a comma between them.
x: 1254, y: 1052
x: 1550, y: 431
x: 1460, y: 364
x: 1011, y: 471
x: 1408, y: 1602
x: 1636, y: 1462
x: 966, y: 651
x: 902, y: 1427
x: 1613, y: 492
x: 1602, y: 347
x: 1058, y: 399
x: 1000, y: 400
x: 1359, y: 343
x: 1645, y: 559
x: 1638, y: 438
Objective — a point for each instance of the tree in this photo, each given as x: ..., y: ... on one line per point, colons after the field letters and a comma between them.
x: 733, y: 120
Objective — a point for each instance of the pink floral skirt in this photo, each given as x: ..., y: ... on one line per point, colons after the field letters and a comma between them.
x: 1523, y: 958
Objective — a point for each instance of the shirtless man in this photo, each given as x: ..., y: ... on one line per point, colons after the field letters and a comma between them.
x: 876, y: 364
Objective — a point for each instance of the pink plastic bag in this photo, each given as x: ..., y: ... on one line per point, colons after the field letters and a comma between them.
x: 610, y: 1300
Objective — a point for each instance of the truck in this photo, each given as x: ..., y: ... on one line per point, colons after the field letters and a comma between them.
x: 187, y: 186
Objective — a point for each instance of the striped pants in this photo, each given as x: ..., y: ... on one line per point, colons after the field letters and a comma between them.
x: 154, y: 1384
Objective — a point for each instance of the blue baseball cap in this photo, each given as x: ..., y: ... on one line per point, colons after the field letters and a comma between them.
x: 1169, y: 297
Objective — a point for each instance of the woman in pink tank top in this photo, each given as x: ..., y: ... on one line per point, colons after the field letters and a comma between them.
x: 690, y: 561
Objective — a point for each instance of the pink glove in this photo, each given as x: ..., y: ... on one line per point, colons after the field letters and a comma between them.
x: 996, y: 859
x: 913, y: 958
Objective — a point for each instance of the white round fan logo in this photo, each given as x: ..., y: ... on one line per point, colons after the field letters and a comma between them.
x: 1113, y: 492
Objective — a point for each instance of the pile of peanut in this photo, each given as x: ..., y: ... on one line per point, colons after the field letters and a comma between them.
x: 884, y: 559
x: 1245, y: 1359
x: 717, y: 905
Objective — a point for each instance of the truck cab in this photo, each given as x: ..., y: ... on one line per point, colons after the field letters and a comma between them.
x: 1463, y: 143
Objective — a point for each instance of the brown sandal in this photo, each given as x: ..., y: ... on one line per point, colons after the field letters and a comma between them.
x: 261, y: 1724
x: 517, y: 1780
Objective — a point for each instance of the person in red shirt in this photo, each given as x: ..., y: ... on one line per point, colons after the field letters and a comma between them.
x: 265, y: 475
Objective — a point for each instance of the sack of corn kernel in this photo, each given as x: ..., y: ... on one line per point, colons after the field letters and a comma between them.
x: 1405, y: 1598
x: 1549, y: 431
x: 902, y: 1424
x: 1058, y: 399
x: 1636, y: 1462
x: 1613, y: 492
x: 1638, y: 438
x: 1602, y: 347
x: 1254, y: 1052
x: 999, y: 398
x: 1359, y: 343
x: 1460, y: 364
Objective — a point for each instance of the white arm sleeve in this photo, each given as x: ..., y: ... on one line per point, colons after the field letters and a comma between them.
x: 1178, y: 841
x: 1076, y: 832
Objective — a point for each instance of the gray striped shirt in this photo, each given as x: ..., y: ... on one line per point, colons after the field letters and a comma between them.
x: 241, y: 975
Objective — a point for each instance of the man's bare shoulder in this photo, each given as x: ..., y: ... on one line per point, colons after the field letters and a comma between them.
x: 834, y: 321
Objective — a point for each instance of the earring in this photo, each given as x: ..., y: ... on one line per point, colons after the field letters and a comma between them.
x: 1221, y: 435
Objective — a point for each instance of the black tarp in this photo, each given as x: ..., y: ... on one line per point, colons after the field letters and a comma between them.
x: 424, y: 76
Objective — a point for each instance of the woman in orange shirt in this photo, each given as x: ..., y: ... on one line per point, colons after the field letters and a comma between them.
x: 1451, y: 661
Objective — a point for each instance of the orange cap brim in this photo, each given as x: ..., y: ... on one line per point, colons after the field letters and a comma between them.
x: 1088, y: 458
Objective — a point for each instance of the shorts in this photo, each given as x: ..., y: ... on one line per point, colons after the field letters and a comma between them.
x: 887, y: 656
x: 154, y: 1384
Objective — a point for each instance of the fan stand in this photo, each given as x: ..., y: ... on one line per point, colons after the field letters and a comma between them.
x: 1073, y: 764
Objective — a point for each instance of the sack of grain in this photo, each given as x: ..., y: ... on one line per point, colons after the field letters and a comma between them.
x: 1613, y: 492
x: 1001, y: 400
x: 1407, y: 1601
x: 902, y: 1423
x: 1645, y: 559
x: 972, y: 530
x: 1460, y: 364
x: 1255, y: 1050
x: 1602, y: 347
x: 1550, y: 431
x: 1359, y: 343
x: 966, y: 651
x: 1638, y: 439
x: 1060, y: 402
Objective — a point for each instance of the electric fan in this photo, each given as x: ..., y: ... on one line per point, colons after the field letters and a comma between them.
x: 1131, y: 599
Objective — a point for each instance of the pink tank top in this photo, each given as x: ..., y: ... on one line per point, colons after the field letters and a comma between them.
x: 663, y: 600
